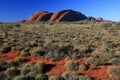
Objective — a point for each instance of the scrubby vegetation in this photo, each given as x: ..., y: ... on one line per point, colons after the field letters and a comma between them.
x: 29, y: 51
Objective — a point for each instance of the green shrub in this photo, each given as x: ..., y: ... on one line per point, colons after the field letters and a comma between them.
x: 40, y: 67
x: 84, y: 77
x: 106, y: 25
x: 5, y: 49
x: 37, y: 52
x: 95, y: 62
x: 25, y: 52
x: 66, y: 49
x: 3, y: 65
x: 12, y: 72
x: 50, y: 45
x: 102, y: 55
x: 70, y: 76
x: 115, y: 61
x: 54, y: 77
x: 21, y: 60
x: 84, y: 49
x: 31, y: 75
x: 31, y: 44
x: 82, y: 67
x: 11, y: 64
x: 30, y: 71
x: 71, y: 65
x: 41, y: 77
x: 26, y: 69
x: 116, y: 53
x: 53, y: 56
x: 2, y: 76
x: 114, y: 72
x: 20, y: 78
x: 89, y: 61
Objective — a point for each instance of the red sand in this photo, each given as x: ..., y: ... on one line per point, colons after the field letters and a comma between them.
x: 99, y: 72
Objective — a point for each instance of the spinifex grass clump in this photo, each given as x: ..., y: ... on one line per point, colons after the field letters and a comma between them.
x: 114, y: 72
x: 25, y: 52
x: 37, y: 52
x: 70, y: 76
x: 5, y: 49
x: 71, y: 65
x: 41, y: 77
x: 53, y: 56
x: 12, y: 72
x: 21, y: 60
x: 40, y: 67
x: 54, y: 77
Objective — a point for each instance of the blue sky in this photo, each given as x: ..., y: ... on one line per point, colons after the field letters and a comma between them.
x: 14, y: 10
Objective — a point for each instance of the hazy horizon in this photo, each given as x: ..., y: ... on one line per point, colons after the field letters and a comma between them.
x: 14, y: 10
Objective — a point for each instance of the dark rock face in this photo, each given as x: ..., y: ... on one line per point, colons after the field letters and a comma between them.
x: 67, y: 15
x: 44, y: 17
x: 90, y: 18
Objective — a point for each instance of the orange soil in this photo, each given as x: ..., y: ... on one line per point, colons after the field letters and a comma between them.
x: 98, y: 72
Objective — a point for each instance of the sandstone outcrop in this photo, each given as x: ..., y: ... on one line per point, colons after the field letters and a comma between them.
x: 61, y: 15
x: 67, y: 15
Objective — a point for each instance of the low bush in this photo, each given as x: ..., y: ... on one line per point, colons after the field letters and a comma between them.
x: 41, y: 77
x: 82, y: 67
x: 12, y: 72
x: 26, y: 69
x: 53, y: 56
x: 20, y: 78
x: 37, y: 52
x: 70, y: 76
x: 102, y: 55
x: 114, y: 72
x: 49, y: 45
x: 25, y: 52
x: 66, y: 49
x: 5, y: 49
x: 54, y: 77
x: 11, y: 64
x: 2, y: 76
x: 95, y: 62
x: 89, y: 61
x: 71, y: 65
x: 31, y: 75
x: 21, y: 60
x: 40, y: 67
x: 3, y: 65
x: 84, y: 77
x: 115, y: 61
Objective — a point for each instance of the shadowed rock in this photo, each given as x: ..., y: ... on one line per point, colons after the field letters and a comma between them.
x: 90, y: 18
x: 67, y: 15
x: 44, y: 17
x: 33, y: 17
x: 22, y: 21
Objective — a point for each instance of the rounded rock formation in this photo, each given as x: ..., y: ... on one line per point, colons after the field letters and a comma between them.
x: 67, y: 15
x: 40, y: 16
x: 99, y: 19
x: 44, y: 17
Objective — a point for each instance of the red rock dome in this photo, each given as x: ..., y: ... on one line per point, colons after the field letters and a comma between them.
x: 67, y: 15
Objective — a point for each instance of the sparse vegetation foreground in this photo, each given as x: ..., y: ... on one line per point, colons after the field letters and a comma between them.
x: 80, y: 50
